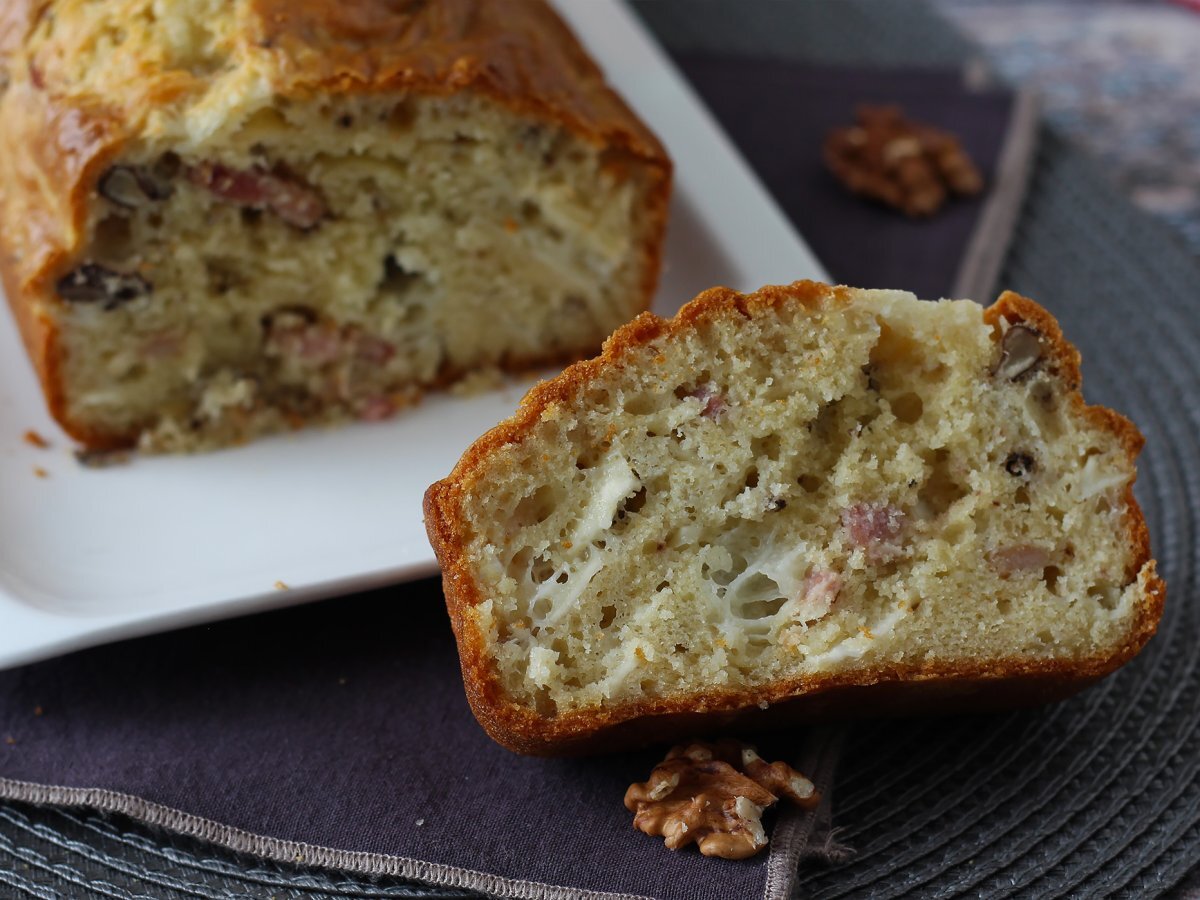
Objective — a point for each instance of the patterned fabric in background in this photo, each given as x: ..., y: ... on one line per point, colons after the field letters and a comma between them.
x: 1118, y: 76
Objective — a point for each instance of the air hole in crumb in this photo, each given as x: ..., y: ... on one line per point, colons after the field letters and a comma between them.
x: 954, y: 533
x: 681, y: 648
x: 1050, y: 575
x: 136, y: 372
x: 223, y: 276
x: 632, y: 504
x: 762, y: 609
x: 1003, y: 606
x: 893, y: 350
x: 607, y: 615
x: 940, y: 490
x: 544, y: 703
x: 767, y: 446
x: 1103, y: 506
x: 1022, y: 495
x: 536, y: 507
x: 810, y: 483
x: 1106, y: 595
x: 541, y: 570
x: 563, y: 578
x: 402, y: 115
x: 907, y: 408
x: 530, y: 212
x: 1042, y: 407
x: 1045, y: 636
x: 648, y: 685
x: 396, y: 279
x: 752, y: 478
x: 724, y: 577
x: 662, y: 586
x: 641, y: 404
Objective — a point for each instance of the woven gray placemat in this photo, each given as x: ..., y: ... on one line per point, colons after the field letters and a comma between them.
x: 1095, y: 797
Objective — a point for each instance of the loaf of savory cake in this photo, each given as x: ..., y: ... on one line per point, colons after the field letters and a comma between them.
x: 219, y: 219
x: 803, y: 502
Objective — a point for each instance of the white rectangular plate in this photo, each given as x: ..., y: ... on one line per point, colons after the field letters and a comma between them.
x: 89, y: 556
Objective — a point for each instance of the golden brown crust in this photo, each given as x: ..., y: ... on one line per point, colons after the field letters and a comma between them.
x: 51, y: 154
x: 516, y: 51
x: 886, y: 690
x: 58, y: 138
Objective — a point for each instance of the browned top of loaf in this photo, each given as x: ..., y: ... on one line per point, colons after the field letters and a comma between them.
x: 519, y: 52
x: 60, y: 134
x: 926, y: 685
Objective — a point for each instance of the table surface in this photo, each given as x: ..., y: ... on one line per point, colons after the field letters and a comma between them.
x: 50, y: 853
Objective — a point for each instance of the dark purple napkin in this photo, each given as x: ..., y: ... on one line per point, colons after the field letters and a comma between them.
x: 338, y: 733
x: 779, y: 113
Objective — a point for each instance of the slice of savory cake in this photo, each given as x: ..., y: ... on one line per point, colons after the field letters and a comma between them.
x: 219, y: 219
x: 806, y: 501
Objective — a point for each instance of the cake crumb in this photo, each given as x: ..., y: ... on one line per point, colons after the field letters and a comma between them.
x: 36, y: 440
x: 281, y: 586
x: 420, y: 822
x: 479, y: 382
x: 40, y: 472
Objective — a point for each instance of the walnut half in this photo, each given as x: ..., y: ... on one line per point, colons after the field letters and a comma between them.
x: 904, y: 164
x: 714, y: 795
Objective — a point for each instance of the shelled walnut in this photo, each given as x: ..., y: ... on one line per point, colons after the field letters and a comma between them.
x: 714, y: 795
x: 907, y: 165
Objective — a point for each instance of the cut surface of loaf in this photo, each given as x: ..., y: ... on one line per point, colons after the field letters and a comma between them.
x: 807, y: 501
x: 221, y: 219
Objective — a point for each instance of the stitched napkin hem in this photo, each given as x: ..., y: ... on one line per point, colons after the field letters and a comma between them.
x: 293, y: 852
x: 798, y: 834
